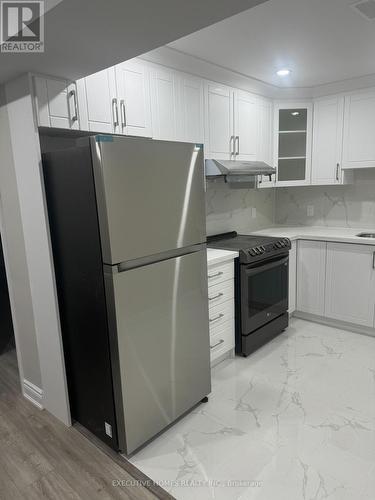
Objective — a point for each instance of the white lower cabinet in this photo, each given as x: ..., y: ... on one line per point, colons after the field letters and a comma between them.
x: 350, y: 283
x: 336, y: 281
x: 221, y: 309
x: 311, y: 266
x: 292, y: 277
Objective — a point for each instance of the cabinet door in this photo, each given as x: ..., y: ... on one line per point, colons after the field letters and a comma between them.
x: 350, y: 284
x: 133, y: 93
x: 293, y: 133
x: 98, y: 102
x: 245, y: 125
x: 219, y: 136
x: 190, y: 110
x: 359, y: 130
x: 264, y: 143
x: 163, y: 104
x: 56, y: 103
x: 311, y: 266
x: 292, y: 277
x: 327, y: 141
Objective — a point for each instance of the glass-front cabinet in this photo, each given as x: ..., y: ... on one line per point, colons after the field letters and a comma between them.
x: 292, y: 146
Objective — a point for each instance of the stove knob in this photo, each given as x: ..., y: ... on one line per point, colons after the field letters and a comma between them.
x: 252, y: 252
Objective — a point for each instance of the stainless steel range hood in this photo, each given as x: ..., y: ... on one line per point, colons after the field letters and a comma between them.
x: 237, y: 171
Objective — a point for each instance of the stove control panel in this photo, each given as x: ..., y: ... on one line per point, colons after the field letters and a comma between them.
x: 274, y: 247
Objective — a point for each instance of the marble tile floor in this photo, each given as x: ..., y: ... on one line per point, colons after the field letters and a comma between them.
x: 293, y: 421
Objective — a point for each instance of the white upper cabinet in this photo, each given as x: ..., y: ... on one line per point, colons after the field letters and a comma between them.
x: 163, y: 103
x: 219, y: 135
x: 190, y: 108
x: 292, y: 143
x: 350, y: 283
x: 133, y: 94
x: 327, y: 142
x: 264, y: 142
x: 231, y: 123
x: 117, y: 100
x: 359, y: 130
x: 311, y: 268
x: 98, y: 102
x: 245, y: 125
x: 56, y: 103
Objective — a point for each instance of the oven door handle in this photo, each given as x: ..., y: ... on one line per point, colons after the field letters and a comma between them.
x: 271, y: 265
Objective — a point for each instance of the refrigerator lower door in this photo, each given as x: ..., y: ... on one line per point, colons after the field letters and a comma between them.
x: 160, y: 325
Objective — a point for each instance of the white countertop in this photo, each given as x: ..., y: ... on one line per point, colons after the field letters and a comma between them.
x: 339, y: 234
x: 215, y: 256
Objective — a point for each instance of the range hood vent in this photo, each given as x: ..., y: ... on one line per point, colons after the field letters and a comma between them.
x: 237, y: 171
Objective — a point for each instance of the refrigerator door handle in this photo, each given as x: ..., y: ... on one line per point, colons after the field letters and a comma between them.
x: 152, y: 259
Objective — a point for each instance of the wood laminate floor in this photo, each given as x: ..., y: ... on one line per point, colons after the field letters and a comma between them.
x: 40, y: 458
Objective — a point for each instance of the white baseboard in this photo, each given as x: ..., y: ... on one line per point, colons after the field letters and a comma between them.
x: 33, y: 393
x: 363, y: 330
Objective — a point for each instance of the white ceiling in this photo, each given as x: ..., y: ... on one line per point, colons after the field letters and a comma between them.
x: 321, y: 41
x: 84, y: 36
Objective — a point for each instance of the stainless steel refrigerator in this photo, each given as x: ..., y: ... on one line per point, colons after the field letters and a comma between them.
x: 127, y: 222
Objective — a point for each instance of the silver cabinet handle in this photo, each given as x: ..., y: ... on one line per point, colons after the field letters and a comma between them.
x: 220, y: 273
x: 115, y: 112
x: 238, y: 145
x: 232, y: 141
x: 219, y: 316
x: 72, y: 94
x: 123, y: 113
x: 221, y: 341
x: 216, y: 296
x: 373, y: 260
x: 337, y: 171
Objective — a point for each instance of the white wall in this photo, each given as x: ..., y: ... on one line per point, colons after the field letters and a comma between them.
x: 15, y: 260
x: 40, y: 278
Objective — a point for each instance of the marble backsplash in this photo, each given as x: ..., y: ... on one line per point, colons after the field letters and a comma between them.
x: 231, y: 209
x: 349, y: 206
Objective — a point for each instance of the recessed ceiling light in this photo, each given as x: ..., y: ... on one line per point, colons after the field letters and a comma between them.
x: 283, y: 72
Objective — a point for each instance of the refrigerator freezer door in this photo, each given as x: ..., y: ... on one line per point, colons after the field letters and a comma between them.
x: 150, y: 196
x: 161, y: 318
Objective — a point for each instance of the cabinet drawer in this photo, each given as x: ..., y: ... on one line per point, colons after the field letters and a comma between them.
x: 217, y: 294
x: 220, y: 272
x: 220, y: 314
x: 223, y: 340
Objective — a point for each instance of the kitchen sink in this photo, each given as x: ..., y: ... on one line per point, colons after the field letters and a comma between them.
x: 366, y: 235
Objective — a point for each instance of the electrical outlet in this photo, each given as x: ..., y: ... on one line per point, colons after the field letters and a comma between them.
x: 254, y: 212
x: 310, y: 210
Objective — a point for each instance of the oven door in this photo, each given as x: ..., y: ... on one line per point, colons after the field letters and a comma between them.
x: 264, y: 292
